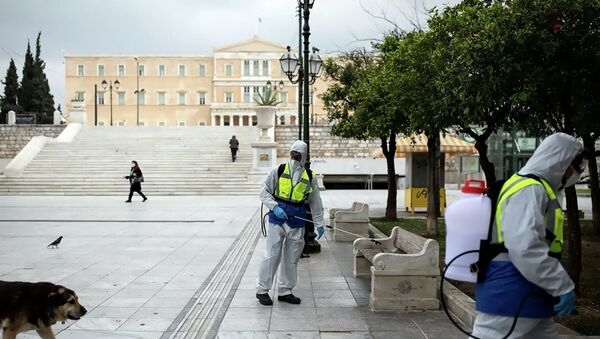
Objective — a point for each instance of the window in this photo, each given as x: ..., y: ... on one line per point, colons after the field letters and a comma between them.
x: 142, y: 70
x: 228, y: 70
x: 100, y: 70
x: 255, y: 67
x: 80, y: 96
x: 100, y: 123
x: 141, y: 98
x: 282, y: 120
x: 121, y: 70
x: 228, y: 96
x: 100, y: 98
x: 265, y: 67
x: 121, y: 98
x: 181, y: 123
x: 202, y: 70
x: 201, y: 123
x: 121, y: 123
x: 247, y: 94
x: 161, y: 98
x: 201, y: 98
x: 162, y: 123
x: 181, y: 70
x: 142, y: 123
x: 161, y: 70
x: 182, y: 98
x: 246, y: 67
x: 256, y: 90
x: 283, y: 96
x: 80, y: 70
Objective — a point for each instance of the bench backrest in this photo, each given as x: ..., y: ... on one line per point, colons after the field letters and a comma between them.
x: 408, y: 242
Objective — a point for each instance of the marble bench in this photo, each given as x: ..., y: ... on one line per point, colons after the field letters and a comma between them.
x: 354, y: 220
x: 404, y: 271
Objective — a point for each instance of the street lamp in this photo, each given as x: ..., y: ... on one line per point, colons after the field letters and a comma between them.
x: 110, y: 84
x: 137, y: 91
x: 305, y: 71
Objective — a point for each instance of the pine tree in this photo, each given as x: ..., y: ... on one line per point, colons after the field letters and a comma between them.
x: 26, y: 90
x: 8, y: 101
x: 34, y: 94
x: 45, y: 97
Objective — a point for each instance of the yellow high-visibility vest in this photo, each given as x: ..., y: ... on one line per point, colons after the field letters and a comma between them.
x: 286, y: 191
x: 554, y: 216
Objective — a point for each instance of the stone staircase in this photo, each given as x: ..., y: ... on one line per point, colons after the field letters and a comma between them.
x: 174, y: 160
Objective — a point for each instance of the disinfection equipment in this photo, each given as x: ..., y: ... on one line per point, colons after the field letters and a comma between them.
x: 467, y: 222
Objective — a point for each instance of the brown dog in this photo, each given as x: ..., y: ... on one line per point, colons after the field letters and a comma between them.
x: 28, y: 306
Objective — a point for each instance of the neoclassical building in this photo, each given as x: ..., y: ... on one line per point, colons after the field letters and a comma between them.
x: 181, y: 90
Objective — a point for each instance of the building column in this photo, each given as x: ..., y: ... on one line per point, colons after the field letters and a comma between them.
x: 222, y: 116
x: 230, y: 119
x: 212, y: 120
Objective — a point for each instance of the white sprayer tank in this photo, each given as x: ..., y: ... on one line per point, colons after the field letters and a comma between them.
x: 467, y: 222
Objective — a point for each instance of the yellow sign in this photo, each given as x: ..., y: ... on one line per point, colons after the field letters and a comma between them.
x: 264, y: 157
x: 416, y: 197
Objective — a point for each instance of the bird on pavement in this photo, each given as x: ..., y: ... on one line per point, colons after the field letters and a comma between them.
x: 55, y: 243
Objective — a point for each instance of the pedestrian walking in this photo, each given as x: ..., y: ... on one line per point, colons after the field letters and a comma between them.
x: 526, y: 279
x: 136, y: 178
x: 285, y: 192
x: 234, y: 144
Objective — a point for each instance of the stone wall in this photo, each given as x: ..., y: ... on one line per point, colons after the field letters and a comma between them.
x: 323, y: 144
x: 14, y: 137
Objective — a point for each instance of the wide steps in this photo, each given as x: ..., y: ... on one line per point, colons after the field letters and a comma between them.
x: 174, y: 160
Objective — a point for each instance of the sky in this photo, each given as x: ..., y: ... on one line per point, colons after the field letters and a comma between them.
x: 188, y: 27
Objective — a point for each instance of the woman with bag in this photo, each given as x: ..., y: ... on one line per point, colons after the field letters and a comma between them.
x: 135, y: 179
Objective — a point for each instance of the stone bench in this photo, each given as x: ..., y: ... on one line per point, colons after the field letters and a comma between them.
x: 354, y: 220
x: 404, y: 271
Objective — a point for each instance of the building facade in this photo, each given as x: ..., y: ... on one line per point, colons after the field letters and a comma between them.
x: 215, y: 90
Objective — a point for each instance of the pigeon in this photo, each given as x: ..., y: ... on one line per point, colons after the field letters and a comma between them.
x: 55, y: 243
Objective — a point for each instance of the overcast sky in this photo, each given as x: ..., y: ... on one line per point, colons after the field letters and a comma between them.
x: 183, y: 27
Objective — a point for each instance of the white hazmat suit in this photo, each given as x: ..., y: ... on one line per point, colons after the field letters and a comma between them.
x: 524, y: 230
x: 285, y: 244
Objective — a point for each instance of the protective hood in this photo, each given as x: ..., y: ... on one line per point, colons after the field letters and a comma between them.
x: 300, y: 146
x: 552, y: 158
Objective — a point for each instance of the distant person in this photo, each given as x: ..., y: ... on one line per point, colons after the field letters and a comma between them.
x: 135, y: 180
x: 234, y: 144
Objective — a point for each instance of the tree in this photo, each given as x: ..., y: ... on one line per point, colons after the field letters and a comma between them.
x: 561, y: 73
x: 43, y: 99
x: 479, y: 77
x: 8, y: 102
x: 26, y: 89
x: 360, y: 103
x: 34, y: 94
x: 416, y: 64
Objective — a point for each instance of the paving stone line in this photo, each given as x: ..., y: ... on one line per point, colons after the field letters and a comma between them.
x: 203, y: 314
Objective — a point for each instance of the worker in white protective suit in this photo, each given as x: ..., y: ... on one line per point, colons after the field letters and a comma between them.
x: 529, y: 224
x: 285, y: 191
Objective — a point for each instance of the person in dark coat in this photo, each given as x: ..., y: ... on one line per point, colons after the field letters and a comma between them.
x: 135, y: 180
x: 234, y: 144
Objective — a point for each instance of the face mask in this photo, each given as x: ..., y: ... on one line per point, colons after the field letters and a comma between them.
x: 573, y: 179
x: 294, y: 164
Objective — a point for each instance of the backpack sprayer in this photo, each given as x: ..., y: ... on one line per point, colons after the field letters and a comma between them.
x: 477, y: 210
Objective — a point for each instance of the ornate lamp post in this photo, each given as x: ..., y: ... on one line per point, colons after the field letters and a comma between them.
x: 110, y: 84
x: 307, y: 70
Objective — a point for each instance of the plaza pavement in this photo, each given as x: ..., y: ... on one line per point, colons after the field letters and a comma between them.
x: 184, y: 267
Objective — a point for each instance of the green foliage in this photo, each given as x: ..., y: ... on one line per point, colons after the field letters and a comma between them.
x: 8, y: 102
x: 267, y: 98
x: 34, y: 93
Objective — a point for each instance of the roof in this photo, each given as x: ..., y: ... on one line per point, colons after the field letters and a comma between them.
x: 418, y: 143
x: 255, y: 44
